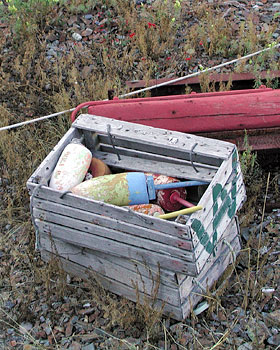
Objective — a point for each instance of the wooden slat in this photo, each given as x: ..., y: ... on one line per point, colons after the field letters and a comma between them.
x: 129, y: 229
x: 210, y: 214
x: 144, y: 165
x: 114, y: 286
x: 215, y: 271
x: 223, y: 176
x: 130, y: 152
x: 231, y: 236
x: 109, y: 246
x: 103, y: 266
x: 112, y: 211
x: 126, y: 135
x: 45, y: 169
x: 114, y: 235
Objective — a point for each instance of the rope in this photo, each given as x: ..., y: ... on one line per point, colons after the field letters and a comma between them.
x: 35, y: 120
x: 272, y: 46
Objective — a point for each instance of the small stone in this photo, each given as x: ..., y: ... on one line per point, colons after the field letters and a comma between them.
x: 75, y: 346
x: 69, y: 329
x: 51, y: 37
x: 13, y: 343
x: 9, y: 304
x: 88, y: 347
x: 51, y: 52
x: 245, y: 346
x: 87, y: 32
x: 87, y: 305
x: 25, y: 327
x: 41, y: 335
x: 28, y: 347
x: 274, y: 340
x: 48, y: 330
x: 274, y: 317
x: 10, y: 331
x: 74, y: 319
x: 77, y: 36
x: 88, y: 16
x: 86, y: 311
x: 42, y: 319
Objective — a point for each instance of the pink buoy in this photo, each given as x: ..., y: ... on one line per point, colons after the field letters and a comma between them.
x: 148, y: 209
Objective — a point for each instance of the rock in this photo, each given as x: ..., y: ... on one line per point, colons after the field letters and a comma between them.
x: 9, y: 304
x: 77, y: 36
x: 25, y: 327
x: 257, y: 331
x: 87, y: 32
x: 28, y: 347
x: 86, y: 311
x: 88, y: 16
x: 245, y: 346
x: 48, y: 330
x: 87, y: 305
x: 51, y: 52
x: 75, y: 346
x: 274, y: 340
x: 274, y: 317
x: 88, y: 347
x: 51, y: 37
x: 69, y: 329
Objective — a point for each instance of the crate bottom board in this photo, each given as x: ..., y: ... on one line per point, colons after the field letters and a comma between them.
x: 125, y: 271
x: 116, y: 287
x: 180, y: 310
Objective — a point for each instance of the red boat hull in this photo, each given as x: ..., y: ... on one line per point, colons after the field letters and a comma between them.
x: 223, y: 115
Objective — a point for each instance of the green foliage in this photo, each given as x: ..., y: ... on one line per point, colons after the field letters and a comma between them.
x: 249, y: 165
x: 28, y: 16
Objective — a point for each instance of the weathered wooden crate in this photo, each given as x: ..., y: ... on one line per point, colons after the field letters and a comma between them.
x: 129, y: 251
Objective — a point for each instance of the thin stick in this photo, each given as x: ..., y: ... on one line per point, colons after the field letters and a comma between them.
x: 260, y: 234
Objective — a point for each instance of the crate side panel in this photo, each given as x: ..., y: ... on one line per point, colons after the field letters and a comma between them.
x: 167, y: 277
x: 88, y: 259
x: 222, y: 199
x: 112, y: 211
x: 131, y: 152
x: 164, y: 168
x: 155, y: 137
x: 115, y: 235
x: 129, y: 229
x: 115, y: 286
x: 217, y: 219
x: 217, y: 233
x: 215, y: 271
x: 231, y: 235
x: 83, y: 239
